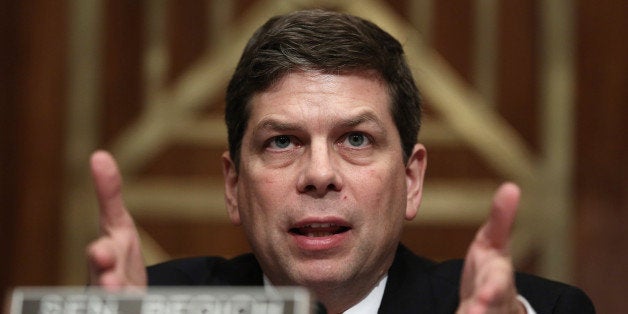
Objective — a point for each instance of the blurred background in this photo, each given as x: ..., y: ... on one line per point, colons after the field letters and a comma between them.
x: 533, y: 91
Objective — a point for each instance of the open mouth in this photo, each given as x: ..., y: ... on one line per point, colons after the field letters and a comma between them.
x: 317, y: 230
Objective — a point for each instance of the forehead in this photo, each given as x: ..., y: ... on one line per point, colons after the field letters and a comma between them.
x: 321, y: 95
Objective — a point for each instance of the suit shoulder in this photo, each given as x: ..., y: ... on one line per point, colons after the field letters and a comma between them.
x: 206, y: 270
x: 440, y: 281
x: 548, y: 296
x: 545, y: 296
x: 184, y: 271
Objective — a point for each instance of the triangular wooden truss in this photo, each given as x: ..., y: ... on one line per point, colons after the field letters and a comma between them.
x: 465, y: 119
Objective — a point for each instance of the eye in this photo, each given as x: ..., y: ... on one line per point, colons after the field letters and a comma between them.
x: 280, y: 142
x: 356, y: 139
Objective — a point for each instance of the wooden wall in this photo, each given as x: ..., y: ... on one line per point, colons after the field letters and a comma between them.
x: 33, y: 111
x: 601, y: 185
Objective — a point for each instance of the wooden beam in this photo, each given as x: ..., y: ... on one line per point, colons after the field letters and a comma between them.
x: 80, y: 205
x: 455, y: 101
x: 485, y: 49
x: 213, y: 132
x: 170, y: 198
x: 557, y: 98
x: 203, y: 80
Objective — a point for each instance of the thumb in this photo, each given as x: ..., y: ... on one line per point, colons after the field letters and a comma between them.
x: 108, y: 185
x: 496, y: 231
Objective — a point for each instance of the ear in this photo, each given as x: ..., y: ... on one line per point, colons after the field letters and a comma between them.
x: 231, y: 188
x: 415, y: 173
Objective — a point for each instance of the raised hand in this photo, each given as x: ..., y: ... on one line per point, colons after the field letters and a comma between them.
x: 115, y: 258
x: 488, y: 277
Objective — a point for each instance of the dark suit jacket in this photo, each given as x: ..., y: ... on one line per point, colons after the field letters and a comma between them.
x: 415, y: 284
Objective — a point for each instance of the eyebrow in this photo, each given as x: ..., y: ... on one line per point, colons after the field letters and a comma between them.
x: 272, y: 124
x: 360, y: 119
x: 277, y: 125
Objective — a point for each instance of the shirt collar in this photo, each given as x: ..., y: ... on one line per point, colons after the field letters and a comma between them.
x: 368, y: 305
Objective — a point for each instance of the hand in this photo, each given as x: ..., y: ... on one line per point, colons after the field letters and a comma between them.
x: 115, y: 258
x: 488, y: 277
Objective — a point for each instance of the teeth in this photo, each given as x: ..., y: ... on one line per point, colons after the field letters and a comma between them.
x: 318, y: 234
x: 321, y: 225
x: 317, y: 229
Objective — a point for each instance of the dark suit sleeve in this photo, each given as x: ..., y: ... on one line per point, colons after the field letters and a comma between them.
x: 574, y: 301
x: 417, y: 285
x: 548, y: 296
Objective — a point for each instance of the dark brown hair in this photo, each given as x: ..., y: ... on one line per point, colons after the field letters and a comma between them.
x: 327, y: 42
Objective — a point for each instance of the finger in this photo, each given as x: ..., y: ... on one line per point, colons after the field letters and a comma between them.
x: 101, y: 258
x: 108, y: 185
x: 111, y: 282
x: 496, y: 283
x: 496, y: 231
x: 494, y: 290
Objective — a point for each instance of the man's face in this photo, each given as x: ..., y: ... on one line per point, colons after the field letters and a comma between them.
x: 322, y: 190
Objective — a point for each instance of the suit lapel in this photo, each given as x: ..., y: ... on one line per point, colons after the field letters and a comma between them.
x: 413, y: 287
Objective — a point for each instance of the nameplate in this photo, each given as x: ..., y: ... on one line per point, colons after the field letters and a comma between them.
x: 180, y: 300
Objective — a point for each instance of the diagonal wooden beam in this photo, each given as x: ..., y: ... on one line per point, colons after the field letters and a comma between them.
x: 454, y: 100
x: 170, y: 105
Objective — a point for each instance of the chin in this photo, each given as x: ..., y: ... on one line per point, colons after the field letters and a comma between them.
x: 322, y: 273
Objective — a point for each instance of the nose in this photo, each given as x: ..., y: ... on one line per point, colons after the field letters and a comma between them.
x: 319, y: 174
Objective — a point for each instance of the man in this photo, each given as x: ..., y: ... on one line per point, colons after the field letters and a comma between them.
x: 322, y: 170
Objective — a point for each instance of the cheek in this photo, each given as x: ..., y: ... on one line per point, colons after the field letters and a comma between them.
x: 365, y: 188
x: 385, y: 188
x: 261, y: 193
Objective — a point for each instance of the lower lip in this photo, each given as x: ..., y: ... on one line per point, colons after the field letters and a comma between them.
x: 325, y: 243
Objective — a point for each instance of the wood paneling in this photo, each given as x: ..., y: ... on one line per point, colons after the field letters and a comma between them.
x: 33, y: 44
x: 187, y: 34
x: 123, y: 94
x: 192, y: 238
x: 8, y: 140
x: 601, y: 171
x: 517, y: 68
x: 453, y: 34
x: 33, y: 55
